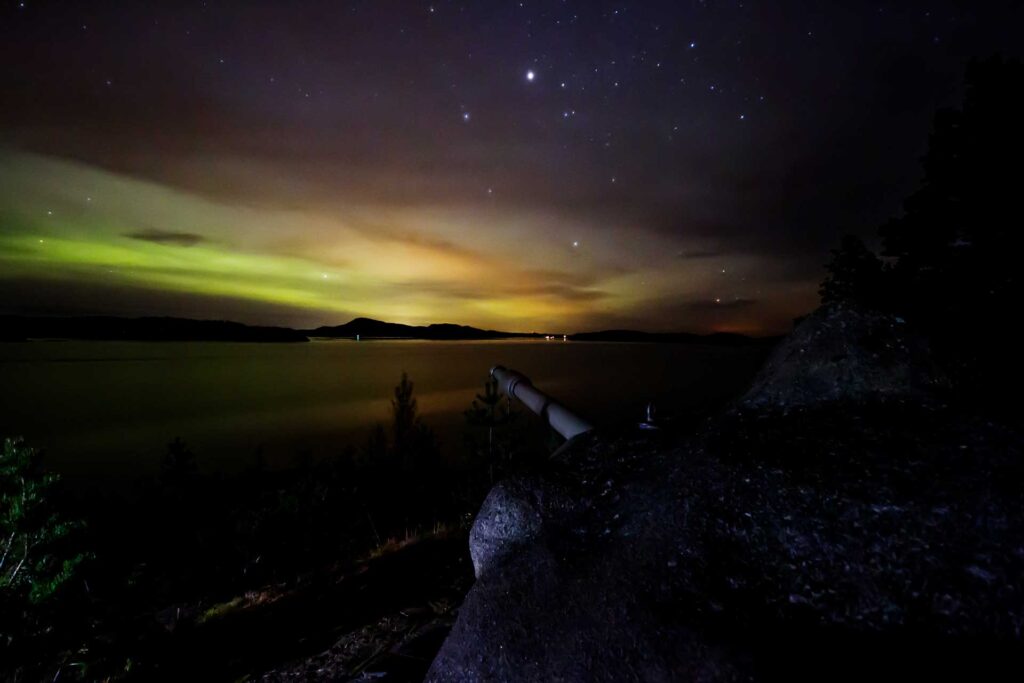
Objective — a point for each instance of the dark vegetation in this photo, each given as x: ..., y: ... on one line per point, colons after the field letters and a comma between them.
x: 37, y: 554
x: 950, y: 263
x: 143, y: 589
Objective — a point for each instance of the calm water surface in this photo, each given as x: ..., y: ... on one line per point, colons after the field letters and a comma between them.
x: 106, y: 410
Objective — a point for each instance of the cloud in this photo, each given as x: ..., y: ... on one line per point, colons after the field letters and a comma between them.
x: 181, y: 239
x: 498, y: 289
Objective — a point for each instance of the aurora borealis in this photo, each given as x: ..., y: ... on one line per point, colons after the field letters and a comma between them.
x: 551, y: 166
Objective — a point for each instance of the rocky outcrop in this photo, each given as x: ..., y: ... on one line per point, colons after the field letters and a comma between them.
x: 770, y: 544
x: 571, y: 584
x: 843, y: 353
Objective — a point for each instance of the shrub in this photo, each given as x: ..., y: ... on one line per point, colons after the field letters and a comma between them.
x: 35, y: 559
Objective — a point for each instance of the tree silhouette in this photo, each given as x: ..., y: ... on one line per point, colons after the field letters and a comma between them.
x: 413, y: 444
x: 485, y: 412
x: 955, y: 249
x: 179, y: 464
x: 35, y: 558
x: 856, y: 275
x: 957, y: 244
x: 403, y: 414
x: 496, y: 435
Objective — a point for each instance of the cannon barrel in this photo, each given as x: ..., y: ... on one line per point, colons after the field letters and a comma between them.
x: 561, y: 419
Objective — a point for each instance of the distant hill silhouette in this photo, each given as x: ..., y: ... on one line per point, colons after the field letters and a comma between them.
x: 368, y: 328
x: 22, y: 328
x: 16, y: 328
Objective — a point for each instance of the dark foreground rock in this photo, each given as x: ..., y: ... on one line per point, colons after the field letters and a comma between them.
x: 851, y: 538
x: 844, y: 353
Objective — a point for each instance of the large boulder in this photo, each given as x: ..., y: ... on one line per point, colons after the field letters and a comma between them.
x: 846, y: 353
x: 512, y: 517
x: 571, y: 586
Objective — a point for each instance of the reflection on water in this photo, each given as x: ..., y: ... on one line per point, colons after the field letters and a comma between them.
x: 107, y: 409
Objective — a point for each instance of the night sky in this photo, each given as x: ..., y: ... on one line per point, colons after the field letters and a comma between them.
x: 550, y: 166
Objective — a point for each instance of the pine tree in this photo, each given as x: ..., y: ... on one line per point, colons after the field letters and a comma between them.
x: 855, y: 276
x: 959, y: 239
x: 35, y: 561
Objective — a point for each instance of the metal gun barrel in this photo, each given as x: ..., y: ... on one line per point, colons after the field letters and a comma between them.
x: 561, y: 419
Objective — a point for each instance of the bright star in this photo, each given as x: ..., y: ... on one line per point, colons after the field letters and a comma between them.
x: 575, y: 243
x: 465, y: 116
x: 530, y: 75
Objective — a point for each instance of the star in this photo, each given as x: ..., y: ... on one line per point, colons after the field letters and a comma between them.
x: 575, y: 244
x: 465, y: 116
x: 530, y: 76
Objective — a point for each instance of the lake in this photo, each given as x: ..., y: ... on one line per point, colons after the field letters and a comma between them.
x: 105, y: 411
